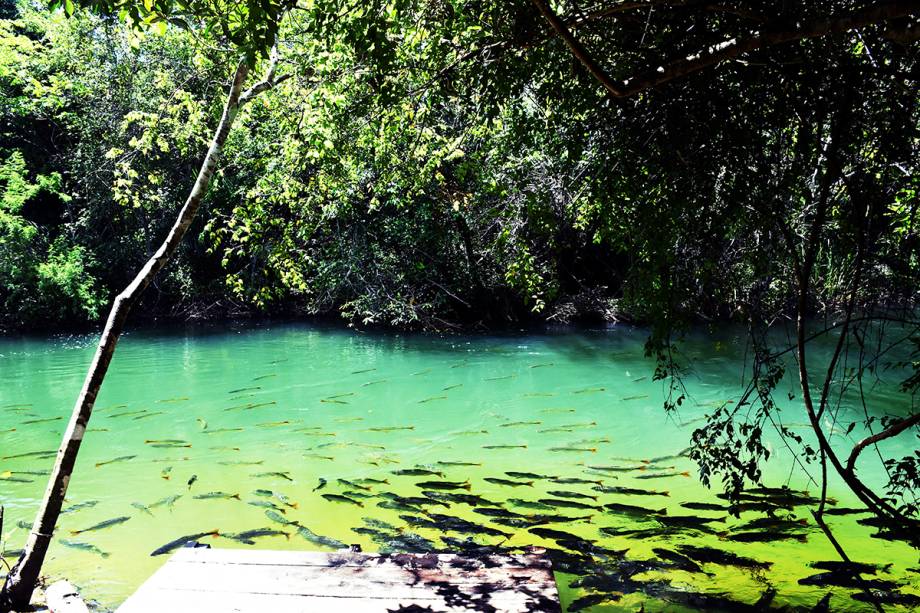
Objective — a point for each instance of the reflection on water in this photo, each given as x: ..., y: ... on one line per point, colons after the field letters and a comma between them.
x: 302, y: 438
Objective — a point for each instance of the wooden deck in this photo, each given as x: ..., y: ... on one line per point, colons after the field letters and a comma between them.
x: 218, y: 580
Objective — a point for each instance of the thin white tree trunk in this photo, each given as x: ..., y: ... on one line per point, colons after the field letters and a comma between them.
x: 17, y: 591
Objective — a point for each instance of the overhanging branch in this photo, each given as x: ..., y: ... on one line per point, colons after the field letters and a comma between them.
x: 772, y: 34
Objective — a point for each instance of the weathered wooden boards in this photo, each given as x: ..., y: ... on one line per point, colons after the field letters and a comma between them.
x: 222, y: 580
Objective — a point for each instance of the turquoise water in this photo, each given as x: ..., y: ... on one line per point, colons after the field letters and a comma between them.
x: 207, y: 421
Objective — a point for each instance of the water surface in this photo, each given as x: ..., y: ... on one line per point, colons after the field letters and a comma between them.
x: 206, y: 422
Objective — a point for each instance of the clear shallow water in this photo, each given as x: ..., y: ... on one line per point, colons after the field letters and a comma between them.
x: 247, y: 409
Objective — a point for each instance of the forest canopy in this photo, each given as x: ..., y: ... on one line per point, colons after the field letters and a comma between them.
x: 438, y: 164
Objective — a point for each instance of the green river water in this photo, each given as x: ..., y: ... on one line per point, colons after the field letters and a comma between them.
x: 278, y: 408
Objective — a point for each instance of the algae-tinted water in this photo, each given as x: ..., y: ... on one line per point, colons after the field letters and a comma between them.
x: 193, y: 426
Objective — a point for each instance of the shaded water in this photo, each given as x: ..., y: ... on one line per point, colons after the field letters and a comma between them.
x: 202, y: 421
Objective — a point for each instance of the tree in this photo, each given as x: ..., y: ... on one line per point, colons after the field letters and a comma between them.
x: 846, y: 219
x: 253, y: 37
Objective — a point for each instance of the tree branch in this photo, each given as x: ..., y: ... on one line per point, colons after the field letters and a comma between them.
x: 268, y: 81
x: 889, y: 432
x: 772, y: 34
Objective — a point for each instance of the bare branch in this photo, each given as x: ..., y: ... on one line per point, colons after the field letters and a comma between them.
x: 891, y: 431
x: 268, y: 81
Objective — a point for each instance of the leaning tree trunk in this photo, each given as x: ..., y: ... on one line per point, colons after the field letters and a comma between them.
x: 17, y: 591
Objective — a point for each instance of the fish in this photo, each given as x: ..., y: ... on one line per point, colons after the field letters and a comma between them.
x: 541, y: 365
x: 280, y: 475
x: 660, y: 475
x: 165, y: 441
x: 202, y: 423
x: 216, y: 496
x: 558, y: 410
x: 524, y: 475
x: 628, y: 491
x: 181, y: 541
x: 275, y: 517
x: 530, y: 504
x: 554, y: 430
x: 503, y: 378
x: 390, y: 429
x: 345, y: 395
x: 703, y: 506
x: 723, y: 558
x: 568, y: 494
x: 83, y: 547
x: 451, y: 387
x: 354, y: 494
x: 520, y: 423
x: 141, y: 507
x: 170, y: 445
x: 266, y: 504
x: 458, y: 463
x: 261, y: 377
x: 165, y: 473
x: 449, y: 523
x: 431, y: 398
x: 317, y: 456
x: 244, y: 389
x: 678, y: 561
x: 581, y: 424
x: 317, y: 539
x: 640, y: 397
x: 372, y: 481
x: 342, y: 499
x: 43, y: 420
x: 352, y: 484
x: 273, y: 424
x: 251, y: 405
x: 192, y: 481
x: 570, y: 504
x: 360, y: 372
x: 247, y: 536
x: 765, y: 537
x: 222, y: 430
x: 457, y: 497
x: 12, y: 479
x: 539, y: 394
x: 575, y: 481
x: 629, y: 509
x: 332, y: 401
x: 444, y: 485
x: 590, y: 390
x: 127, y: 413
x: 320, y: 485
x: 575, y: 449
x: 504, y: 446
x: 277, y: 496
x: 178, y: 399
x: 508, y: 482
x: 123, y: 458
x: 102, y: 525
x: 241, y: 462
x: 417, y: 472
x: 617, y: 469
x: 79, y: 506
x: 169, y: 501
x: 421, y: 372
x: 413, y: 501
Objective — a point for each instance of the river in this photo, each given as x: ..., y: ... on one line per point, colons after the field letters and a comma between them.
x: 234, y: 428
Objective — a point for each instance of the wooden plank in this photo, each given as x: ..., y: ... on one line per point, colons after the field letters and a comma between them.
x: 317, y: 581
x: 343, y: 558
x: 259, y: 580
x: 209, y: 602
